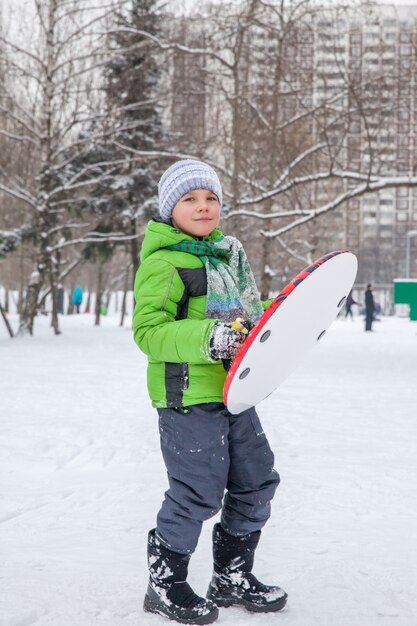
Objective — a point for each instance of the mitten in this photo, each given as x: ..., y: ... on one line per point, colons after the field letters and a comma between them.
x: 225, y: 341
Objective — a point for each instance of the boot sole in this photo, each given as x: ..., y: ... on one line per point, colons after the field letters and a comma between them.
x: 152, y: 607
x: 226, y: 602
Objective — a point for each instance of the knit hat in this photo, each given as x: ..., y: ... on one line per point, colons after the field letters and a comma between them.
x: 181, y: 178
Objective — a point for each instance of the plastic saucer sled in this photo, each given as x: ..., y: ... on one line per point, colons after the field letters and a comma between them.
x: 293, y: 323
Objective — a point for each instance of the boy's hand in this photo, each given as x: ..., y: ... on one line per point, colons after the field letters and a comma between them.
x: 227, y: 339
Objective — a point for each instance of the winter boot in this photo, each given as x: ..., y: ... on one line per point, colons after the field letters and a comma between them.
x: 232, y: 582
x: 168, y: 593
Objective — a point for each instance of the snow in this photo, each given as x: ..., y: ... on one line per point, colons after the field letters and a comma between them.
x: 81, y: 478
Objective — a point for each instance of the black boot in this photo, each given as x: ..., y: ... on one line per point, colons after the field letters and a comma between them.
x: 168, y: 593
x: 232, y: 582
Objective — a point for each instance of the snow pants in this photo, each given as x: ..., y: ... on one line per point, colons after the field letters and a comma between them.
x: 207, y: 452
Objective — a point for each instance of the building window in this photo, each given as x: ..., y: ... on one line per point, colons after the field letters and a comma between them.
x: 402, y: 192
x: 403, y: 128
x: 402, y: 203
x: 405, y: 37
x: 401, y: 217
x: 385, y: 232
x: 403, y: 140
x: 405, y: 50
x: 369, y: 202
x: 402, y: 167
x: 402, y: 154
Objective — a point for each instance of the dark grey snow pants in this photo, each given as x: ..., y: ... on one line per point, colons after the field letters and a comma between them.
x: 207, y: 451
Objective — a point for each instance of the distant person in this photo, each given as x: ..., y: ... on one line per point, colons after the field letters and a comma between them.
x: 349, y: 302
x: 369, y: 307
x: 77, y: 298
x: 60, y: 293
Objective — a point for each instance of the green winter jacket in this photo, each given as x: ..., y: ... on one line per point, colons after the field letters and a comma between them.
x: 169, y: 321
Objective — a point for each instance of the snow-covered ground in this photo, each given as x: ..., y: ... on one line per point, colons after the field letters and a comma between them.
x: 81, y: 480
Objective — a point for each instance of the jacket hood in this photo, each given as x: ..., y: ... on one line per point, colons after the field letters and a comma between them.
x: 161, y: 235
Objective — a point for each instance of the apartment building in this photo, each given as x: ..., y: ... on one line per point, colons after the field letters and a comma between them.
x: 377, y: 46
x: 363, y: 62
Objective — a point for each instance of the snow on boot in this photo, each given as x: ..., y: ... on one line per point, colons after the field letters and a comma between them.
x: 232, y: 582
x: 168, y: 592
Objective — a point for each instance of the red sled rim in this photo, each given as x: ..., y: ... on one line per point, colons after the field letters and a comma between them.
x: 275, y: 304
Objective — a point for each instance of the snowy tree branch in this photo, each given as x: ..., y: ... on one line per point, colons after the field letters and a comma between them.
x: 372, y: 186
x: 19, y: 195
x: 94, y: 237
x: 173, y: 46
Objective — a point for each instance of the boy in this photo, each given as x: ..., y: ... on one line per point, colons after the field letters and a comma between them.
x: 193, y: 283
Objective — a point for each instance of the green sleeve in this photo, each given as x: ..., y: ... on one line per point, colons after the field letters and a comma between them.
x: 266, y: 303
x: 158, y: 290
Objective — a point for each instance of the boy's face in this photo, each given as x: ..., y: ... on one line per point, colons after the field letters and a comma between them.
x: 197, y: 213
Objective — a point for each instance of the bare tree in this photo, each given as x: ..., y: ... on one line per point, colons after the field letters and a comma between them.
x: 308, y: 138
x: 281, y: 127
x: 54, y: 93
x: 273, y: 95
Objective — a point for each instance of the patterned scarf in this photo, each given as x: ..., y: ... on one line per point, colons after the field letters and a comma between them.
x: 231, y: 287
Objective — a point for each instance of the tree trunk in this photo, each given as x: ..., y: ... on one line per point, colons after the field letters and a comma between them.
x: 70, y: 309
x: 6, y: 300
x: 125, y: 288
x: 99, y: 293
x: 54, y: 281
x: 88, y: 302
x: 6, y: 321
x: 268, y: 260
x: 107, y: 299
x: 54, y: 315
x: 134, y: 248
x: 27, y: 319
x: 21, y: 282
x: 266, y: 279
x: 239, y: 87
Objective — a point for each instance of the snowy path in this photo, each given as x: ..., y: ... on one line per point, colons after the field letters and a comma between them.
x: 81, y: 479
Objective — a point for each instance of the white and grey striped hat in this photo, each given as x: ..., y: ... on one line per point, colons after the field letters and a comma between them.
x: 181, y: 178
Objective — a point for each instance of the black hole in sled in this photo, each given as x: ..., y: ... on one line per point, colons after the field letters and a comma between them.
x: 321, y: 335
x: 265, y: 336
x: 244, y: 373
x: 341, y: 302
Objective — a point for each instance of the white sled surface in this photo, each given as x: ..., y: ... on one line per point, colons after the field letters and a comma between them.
x: 280, y: 341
